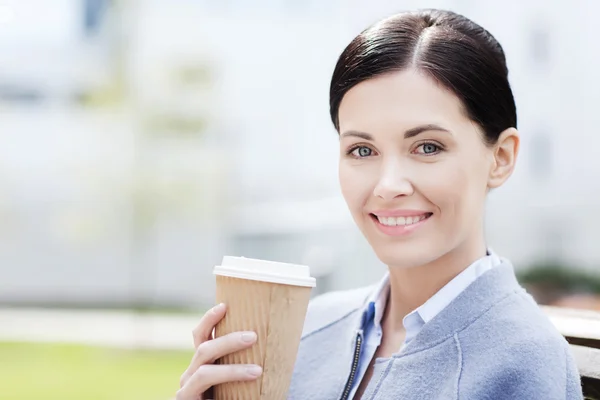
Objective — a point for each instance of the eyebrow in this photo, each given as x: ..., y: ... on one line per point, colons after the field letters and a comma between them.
x: 407, y: 135
x: 423, y: 128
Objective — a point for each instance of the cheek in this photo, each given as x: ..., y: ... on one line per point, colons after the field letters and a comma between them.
x: 455, y: 190
x: 355, y: 186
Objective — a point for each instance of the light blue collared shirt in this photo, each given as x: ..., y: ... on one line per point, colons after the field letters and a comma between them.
x: 415, y: 320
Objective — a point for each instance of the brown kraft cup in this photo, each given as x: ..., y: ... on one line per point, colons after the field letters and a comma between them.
x: 270, y: 299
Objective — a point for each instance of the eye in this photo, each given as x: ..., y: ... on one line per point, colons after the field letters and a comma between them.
x: 428, y: 149
x: 361, y: 152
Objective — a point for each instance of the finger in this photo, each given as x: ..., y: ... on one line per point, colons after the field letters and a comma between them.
x: 209, y: 351
x: 210, y: 375
x: 203, y: 330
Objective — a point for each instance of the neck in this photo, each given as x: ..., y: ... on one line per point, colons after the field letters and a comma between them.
x: 412, y: 287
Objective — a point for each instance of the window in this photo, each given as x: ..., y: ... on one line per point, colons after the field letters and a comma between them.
x: 93, y: 12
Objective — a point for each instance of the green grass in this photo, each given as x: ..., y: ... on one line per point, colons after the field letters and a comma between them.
x: 69, y: 372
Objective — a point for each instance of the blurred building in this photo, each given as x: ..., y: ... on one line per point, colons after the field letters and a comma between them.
x: 143, y: 140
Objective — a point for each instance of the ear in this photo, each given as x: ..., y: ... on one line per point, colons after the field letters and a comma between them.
x: 506, y: 151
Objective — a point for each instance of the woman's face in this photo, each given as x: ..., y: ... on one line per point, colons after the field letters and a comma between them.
x: 414, y: 170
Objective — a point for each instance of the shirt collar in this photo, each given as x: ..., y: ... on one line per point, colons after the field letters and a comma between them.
x: 456, y: 286
x: 376, y: 303
x: 415, y: 320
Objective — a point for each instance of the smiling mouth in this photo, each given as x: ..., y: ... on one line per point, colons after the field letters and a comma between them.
x: 401, y: 221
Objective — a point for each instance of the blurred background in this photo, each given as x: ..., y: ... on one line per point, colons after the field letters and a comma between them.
x: 140, y: 141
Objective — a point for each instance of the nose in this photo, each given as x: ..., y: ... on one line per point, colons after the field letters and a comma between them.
x: 393, y: 182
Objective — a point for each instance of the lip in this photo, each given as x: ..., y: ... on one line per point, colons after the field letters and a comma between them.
x: 399, y: 213
x: 401, y: 230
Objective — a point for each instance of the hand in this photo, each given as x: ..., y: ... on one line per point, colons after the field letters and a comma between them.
x: 202, y: 374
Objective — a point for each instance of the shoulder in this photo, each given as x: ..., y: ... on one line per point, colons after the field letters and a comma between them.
x: 516, y: 323
x: 518, y: 350
x: 329, y: 308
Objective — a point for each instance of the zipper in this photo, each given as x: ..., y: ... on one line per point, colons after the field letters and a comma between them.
x: 350, y: 381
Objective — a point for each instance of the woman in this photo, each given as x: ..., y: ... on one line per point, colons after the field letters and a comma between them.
x: 427, y: 127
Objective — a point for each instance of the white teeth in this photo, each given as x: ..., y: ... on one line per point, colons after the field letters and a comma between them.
x: 399, y: 221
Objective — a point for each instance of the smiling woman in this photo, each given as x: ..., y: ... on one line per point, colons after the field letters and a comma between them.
x: 427, y: 127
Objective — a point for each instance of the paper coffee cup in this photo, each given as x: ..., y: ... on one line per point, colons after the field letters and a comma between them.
x: 271, y: 299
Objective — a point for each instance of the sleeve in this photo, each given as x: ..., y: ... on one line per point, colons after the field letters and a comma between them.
x: 541, y: 375
x: 573, y: 384
x: 526, y: 370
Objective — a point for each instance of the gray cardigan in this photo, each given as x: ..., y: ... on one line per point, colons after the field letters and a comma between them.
x: 492, y: 342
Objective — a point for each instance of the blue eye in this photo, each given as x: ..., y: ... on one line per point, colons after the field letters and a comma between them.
x: 361, y: 152
x: 428, y: 149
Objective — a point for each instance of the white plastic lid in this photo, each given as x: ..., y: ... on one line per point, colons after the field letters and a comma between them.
x: 265, y: 271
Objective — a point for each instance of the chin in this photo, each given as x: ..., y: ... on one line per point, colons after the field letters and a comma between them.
x: 403, y: 255
x: 405, y: 260
x: 406, y: 253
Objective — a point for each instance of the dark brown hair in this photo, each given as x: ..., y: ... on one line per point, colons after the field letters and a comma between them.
x: 453, y: 50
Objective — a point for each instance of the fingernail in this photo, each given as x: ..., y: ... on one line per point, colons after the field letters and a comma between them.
x: 248, y: 337
x: 218, y: 308
x: 254, y: 370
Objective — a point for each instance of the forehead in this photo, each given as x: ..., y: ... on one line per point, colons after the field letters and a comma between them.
x: 401, y: 100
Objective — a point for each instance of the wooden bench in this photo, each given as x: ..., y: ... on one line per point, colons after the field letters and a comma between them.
x: 582, y: 331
